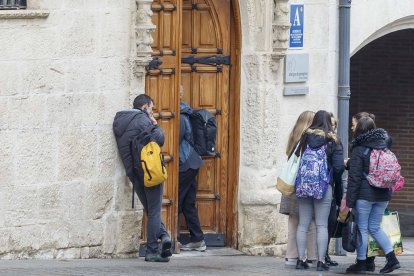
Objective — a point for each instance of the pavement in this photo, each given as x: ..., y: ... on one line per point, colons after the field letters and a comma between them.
x: 215, y: 261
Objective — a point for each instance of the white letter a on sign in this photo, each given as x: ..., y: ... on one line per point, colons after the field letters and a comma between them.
x: 296, y: 22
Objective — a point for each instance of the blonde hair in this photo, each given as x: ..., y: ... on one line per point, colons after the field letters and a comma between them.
x: 302, y: 123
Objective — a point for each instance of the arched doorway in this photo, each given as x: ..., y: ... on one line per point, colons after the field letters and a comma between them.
x: 382, y: 83
x: 197, y: 45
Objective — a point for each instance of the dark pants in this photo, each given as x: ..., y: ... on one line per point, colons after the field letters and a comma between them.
x: 187, y: 203
x: 151, y: 199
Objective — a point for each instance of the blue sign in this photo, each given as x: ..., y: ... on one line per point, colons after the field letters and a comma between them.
x: 296, y: 26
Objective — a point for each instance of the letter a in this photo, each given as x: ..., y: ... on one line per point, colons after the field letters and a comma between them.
x: 296, y: 22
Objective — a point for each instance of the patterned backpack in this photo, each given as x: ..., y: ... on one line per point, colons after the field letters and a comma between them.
x: 313, y: 176
x: 384, y: 170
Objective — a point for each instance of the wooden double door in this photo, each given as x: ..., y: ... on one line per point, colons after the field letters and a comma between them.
x: 191, y: 48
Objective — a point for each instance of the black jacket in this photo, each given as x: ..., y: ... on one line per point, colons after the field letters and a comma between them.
x: 358, y: 186
x: 127, y: 124
x: 335, y: 157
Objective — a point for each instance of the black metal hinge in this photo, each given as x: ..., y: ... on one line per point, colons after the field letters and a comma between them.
x: 209, y: 60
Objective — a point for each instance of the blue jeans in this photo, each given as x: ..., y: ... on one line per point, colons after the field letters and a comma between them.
x: 369, y: 220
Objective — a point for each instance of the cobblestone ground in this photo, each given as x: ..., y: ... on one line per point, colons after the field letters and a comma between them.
x: 213, y: 262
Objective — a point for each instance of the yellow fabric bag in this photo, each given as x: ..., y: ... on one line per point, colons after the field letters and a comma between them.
x: 153, y: 165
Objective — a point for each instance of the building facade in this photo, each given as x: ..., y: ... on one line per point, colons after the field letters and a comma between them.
x: 66, y: 68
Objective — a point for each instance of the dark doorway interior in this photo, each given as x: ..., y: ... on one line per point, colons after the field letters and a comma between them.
x: 382, y: 82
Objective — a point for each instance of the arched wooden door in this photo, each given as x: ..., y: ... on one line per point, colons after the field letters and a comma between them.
x: 192, y: 48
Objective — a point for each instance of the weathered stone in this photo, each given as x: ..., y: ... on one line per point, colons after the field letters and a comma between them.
x: 82, y: 152
x: 262, y: 225
x: 70, y: 253
x: 129, y: 225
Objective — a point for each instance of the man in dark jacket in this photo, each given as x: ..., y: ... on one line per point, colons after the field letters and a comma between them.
x: 128, y: 124
x: 190, y: 162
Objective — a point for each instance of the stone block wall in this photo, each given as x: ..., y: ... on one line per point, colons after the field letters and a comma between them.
x: 63, y: 78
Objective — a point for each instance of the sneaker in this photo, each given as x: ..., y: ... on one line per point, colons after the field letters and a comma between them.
x: 329, y: 261
x: 156, y: 257
x: 291, y: 261
x: 198, y: 246
x: 166, y: 245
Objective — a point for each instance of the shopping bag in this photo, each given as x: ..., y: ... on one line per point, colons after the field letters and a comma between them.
x: 351, y: 236
x: 391, y: 226
x: 286, y: 180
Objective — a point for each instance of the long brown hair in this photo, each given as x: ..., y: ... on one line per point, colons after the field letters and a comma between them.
x: 364, y: 125
x: 302, y: 123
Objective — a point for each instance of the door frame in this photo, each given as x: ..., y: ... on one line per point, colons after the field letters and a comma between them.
x: 234, y: 126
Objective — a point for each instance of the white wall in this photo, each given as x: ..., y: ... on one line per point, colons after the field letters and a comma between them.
x: 373, y: 19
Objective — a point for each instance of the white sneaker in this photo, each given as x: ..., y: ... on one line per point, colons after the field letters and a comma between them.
x: 199, y: 246
x: 289, y: 261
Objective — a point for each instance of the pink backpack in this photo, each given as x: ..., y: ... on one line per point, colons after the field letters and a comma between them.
x: 384, y: 170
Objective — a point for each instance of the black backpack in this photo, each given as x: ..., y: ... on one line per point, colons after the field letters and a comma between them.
x: 204, y: 128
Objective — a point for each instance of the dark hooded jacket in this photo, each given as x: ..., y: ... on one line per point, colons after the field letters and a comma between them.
x: 358, y: 186
x: 189, y: 158
x: 316, y: 138
x: 127, y: 124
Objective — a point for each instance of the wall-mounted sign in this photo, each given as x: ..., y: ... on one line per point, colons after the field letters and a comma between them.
x: 296, y: 26
x: 291, y: 91
x: 296, y: 67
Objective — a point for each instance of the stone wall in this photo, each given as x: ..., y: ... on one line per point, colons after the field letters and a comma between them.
x: 267, y: 116
x: 63, y: 77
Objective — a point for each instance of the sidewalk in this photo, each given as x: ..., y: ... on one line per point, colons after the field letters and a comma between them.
x: 215, y: 261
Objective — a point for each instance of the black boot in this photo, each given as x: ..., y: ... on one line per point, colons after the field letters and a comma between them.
x: 322, y: 266
x: 359, y: 267
x: 301, y: 265
x: 329, y: 261
x: 166, y: 245
x: 371, y: 264
x: 392, y: 263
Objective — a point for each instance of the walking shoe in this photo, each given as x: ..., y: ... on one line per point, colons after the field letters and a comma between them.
x: 371, y: 264
x: 329, y: 261
x: 198, y: 246
x: 359, y: 267
x: 392, y: 263
x: 156, y: 257
x: 302, y: 264
x: 322, y: 266
x: 291, y: 261
x: 166, y: 245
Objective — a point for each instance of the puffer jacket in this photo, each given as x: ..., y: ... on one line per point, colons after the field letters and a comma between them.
x: 316, y: 138
x: 127, y: 124
x: 358, y: 186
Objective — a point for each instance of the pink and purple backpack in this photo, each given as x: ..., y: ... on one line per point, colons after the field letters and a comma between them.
x: 384, y: 170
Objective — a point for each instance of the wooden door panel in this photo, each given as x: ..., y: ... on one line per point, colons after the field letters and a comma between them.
x: 204, y: 35
x: 205, y: 89
x: 207, y: 211
x: 168, y: 34
x: 206, y: 177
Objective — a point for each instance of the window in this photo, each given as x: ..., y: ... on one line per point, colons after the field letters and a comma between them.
x: 12, y: 4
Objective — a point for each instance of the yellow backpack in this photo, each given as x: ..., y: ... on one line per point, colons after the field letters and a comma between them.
x: 153, y: 165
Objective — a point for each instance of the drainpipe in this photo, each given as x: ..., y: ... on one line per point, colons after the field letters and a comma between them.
x: 344, y: 90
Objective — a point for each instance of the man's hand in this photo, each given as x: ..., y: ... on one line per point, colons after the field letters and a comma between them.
x: 154, y: 122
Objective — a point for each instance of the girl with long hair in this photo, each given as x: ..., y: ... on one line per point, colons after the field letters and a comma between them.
x: 289, y: 205
x: 319, y: 134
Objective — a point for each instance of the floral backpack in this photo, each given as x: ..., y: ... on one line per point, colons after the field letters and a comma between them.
x: 384, y: 169
x: 313, y: 175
